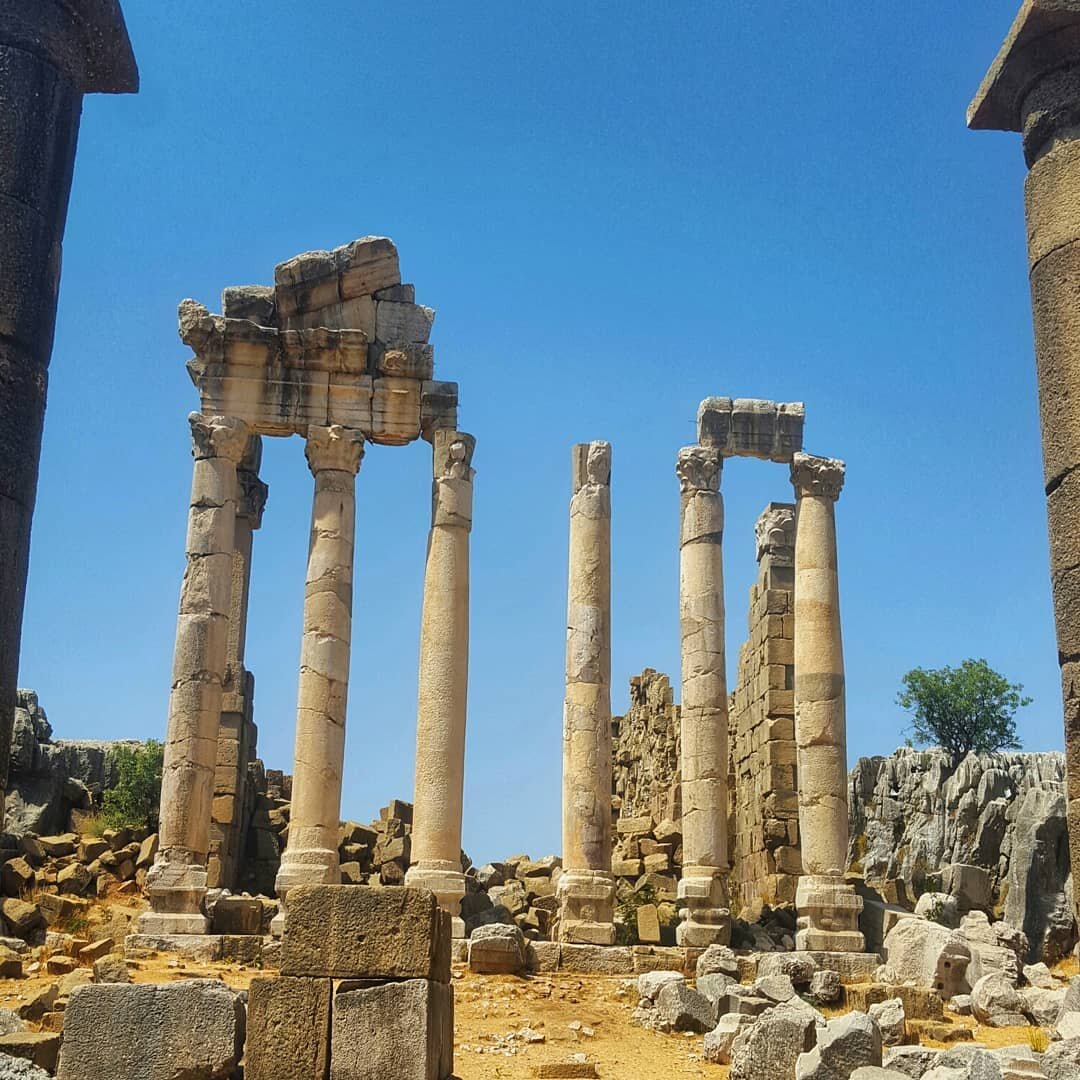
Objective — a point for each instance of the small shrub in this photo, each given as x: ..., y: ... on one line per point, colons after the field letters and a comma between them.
x: 1038, y: 1039
x: 626, y: 915
x: 133, y: 802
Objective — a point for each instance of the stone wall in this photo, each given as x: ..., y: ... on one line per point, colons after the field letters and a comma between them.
x: 764, y: 822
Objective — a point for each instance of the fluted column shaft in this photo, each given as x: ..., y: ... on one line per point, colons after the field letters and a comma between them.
x: 444, y: 679
x: 311, y: 856
x: 177, y: 881
x: 703, y: 898
x: 828, y: 908
x: 586, y: 889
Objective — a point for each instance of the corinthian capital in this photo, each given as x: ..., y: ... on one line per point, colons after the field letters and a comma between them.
x: 251, y: 497
x: 591, y: 465
x: 698, y: 469
x: 817, y: 476
x: 334, y: 448
x: 453, y: 454
x: 218, y: 436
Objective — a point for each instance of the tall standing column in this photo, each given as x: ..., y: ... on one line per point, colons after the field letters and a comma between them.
x: 311, y: 855
x: 176, y: 883
x: 444, y: 679
x: 51, y: 54
x: 1033, y: 87
x: 586, y: 889
x: 236, y: 735
x: 828, y: 908
x: 704, y: 912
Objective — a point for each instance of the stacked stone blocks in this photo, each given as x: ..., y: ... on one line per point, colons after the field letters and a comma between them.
x: 364, y: 990
x: 767, y: 859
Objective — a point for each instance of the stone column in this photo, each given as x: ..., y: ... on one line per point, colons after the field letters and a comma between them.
x: 704, y: 913
x: 828, y: 908
x: 1033, y: 87
x: 311, y: 855
x: 586, y: 889
x: 237, y: 733
x: 444, y: 680
x: 51, y: 54
x: 176, y: 883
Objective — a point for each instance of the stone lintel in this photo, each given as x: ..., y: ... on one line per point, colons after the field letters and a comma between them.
x: 1033, y: 47
x: 86, y: 39
x: 752, y: 427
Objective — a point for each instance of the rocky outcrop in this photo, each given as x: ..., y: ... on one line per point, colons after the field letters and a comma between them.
x: 991, y: 830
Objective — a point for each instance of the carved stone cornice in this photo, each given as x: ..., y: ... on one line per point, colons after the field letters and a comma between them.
x: 698, y: 469
x: 812, y: 475
x: 218, y: 436
x: 334, y: 448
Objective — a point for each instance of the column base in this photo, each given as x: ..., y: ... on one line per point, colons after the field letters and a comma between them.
x: 448, y: 885
x: 312, y: 866
x: 704, y: 911
x: 586, y: 907
x: 828, y: 910
x: 176, y: 891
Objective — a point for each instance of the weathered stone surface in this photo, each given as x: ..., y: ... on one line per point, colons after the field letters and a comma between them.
x: 912, y: 1061
x: 288, y: 1029
x: 680, y: 1008
x: 400, y: 1029
x: 844, y: 1045
x: 237, y: 915
x: 719, y: 1041
x: 147, y: 1032
x: 715, y: 987
x: 929, y: 955
x: 891, y: 1021
x: 996, y: 1002
x: 825, y: 987
x: 717, y: 959
x: 497, y: 949
x: 1041, y: 1005
x: 596, y: 960
x: 798, y: 967
x: 651, y: 983
x: 347, y: 931
x: 770, y: 1048
x: 1062, y: 1059
x: 19, y: 1069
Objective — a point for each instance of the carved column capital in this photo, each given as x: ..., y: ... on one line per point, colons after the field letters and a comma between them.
x: 592, y: 465
x: 451, y: 489
x: 251, y: 497
x: 218, y: 436
x: 698, y: 469
x: 775, y: 532
x: 334, y: 448
x: 812, y: 475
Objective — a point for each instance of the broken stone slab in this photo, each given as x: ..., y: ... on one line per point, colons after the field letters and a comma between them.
x: 911, y: 1061
x: 770, y: 1048
x: 844, y: 1045
x: 497, y: 949
x: 204, y: 947
x: 288, y: 1029
x: 317, y: 279
x: 719, y: 1041
x: 357, y: 931
x: 750, y: 427
x: 40, y: 1048
x: 141, y: 1032
x: 717, y: 959
x: 931, y: 956
x: 400, y: 1029
x: 596, y: 959
x: 891, y: 1021
x: 996, y: 1002
x: 679, y: 1008
x: 652, y: 982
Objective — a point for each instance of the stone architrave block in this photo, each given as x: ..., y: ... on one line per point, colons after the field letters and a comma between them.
x: 750, y: 427
x: 117, y: 1031
x: 288, y: 1029
x: 361, y: 932
x: 395, y: 411
x: 396, y: 323
x: 408, y: 361
x: 318, y: 279
x: 399, y: 1029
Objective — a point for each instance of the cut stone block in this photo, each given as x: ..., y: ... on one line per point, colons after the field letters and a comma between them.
x: 288, y: 1029
x: 356, y: 931
x: 114, y: 1031
x: 496, y: 950
x: 399, y: 1029
x: 237, y: 915
x: 39, y: 1047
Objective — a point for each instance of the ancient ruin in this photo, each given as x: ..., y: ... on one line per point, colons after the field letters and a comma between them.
x: 336, y: 351
x: 1033, y: 87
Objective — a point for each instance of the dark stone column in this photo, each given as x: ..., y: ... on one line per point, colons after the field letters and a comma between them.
x: 51, y: 54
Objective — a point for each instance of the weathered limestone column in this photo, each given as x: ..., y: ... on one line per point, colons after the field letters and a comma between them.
x: 704, y: 912
x: 444, y: 679
x: 828, y: 908
x: 176, y: 883
x: 51, y: 54
x: 586, y: 889
x: 237, y: 733
x: 311, y: 855
x: 1033, y: 87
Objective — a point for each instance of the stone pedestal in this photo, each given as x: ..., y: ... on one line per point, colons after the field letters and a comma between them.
x: 586, y: 890
x: 176, y: 883
x: 311, y: 856
x: 51, y: 54
x: 444, y: 679
x: 828, y: 909
x: 1033, y: 87
x: 705, y: 918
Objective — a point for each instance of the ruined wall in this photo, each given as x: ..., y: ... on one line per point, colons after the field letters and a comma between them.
x: 763, y: 789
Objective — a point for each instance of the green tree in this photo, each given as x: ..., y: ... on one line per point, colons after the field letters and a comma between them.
x: 133, y: 802
x: 962, y: 709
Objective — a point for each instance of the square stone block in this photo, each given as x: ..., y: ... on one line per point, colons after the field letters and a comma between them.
x: 288, y: 1029
x: 353, y: 931
x: 403, y: 1030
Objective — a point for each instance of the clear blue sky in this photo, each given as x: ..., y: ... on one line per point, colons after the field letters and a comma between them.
x: 617, y: 209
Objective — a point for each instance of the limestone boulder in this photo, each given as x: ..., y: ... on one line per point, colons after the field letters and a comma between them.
x: 845, y: 1044
x: 939, y: 907
x: 497, y: 949
x: 718, y: 959
x: 1062, y: 1059
x: 679, y: 1008
x: 825, y: 987
x: 800, y: 968
x: 715, y: 987
x: 891, y: 1021
x: 769, y: 1049
x: 995, y: 947
x: 928, y: 955
x: 719, y: 1041
x: 911, y: 1061
x: 775, y: 988
x: 997, y: 1003
x: 151, y: 1031
x: 1042, y: 1006
x: 650, y: 983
